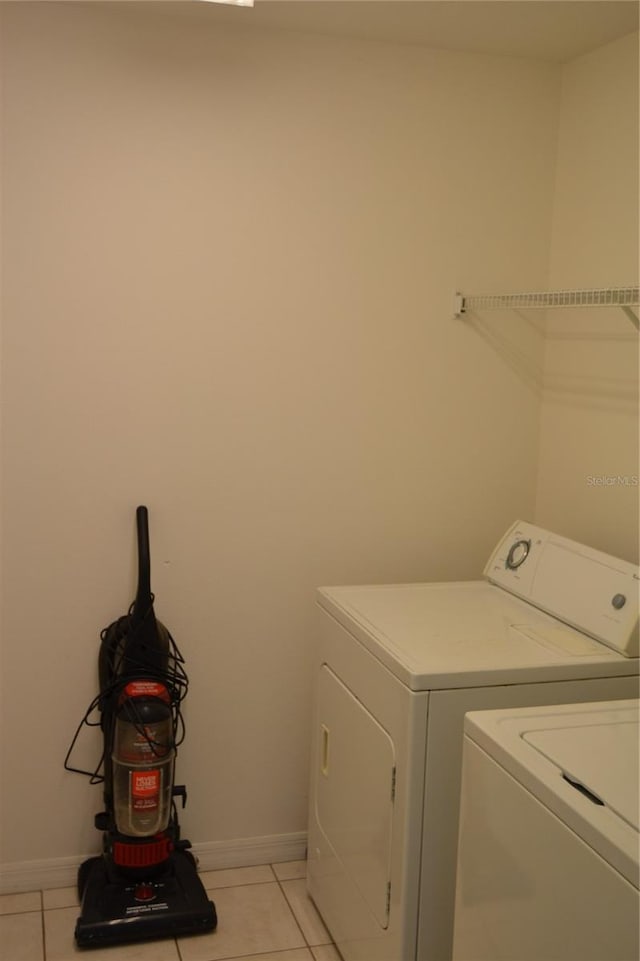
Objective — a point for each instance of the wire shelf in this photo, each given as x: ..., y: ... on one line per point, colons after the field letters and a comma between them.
x: 624, y: 297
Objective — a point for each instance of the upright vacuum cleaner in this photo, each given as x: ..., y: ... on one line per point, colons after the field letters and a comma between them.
x: 145, y: 883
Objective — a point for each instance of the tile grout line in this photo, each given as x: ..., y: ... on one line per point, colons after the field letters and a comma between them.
x: 211, y: 894
x: 42, y: 928
x: 290, y: 906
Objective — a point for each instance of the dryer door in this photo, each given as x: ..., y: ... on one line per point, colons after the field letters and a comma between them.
x: 355, y: 787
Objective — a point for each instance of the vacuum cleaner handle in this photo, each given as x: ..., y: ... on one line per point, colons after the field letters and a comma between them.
x: 144, y: 555
x: 144, y: 598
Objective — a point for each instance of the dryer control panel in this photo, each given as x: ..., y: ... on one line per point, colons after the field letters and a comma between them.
x: 592, y: 591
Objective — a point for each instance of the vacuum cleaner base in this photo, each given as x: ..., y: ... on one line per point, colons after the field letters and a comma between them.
x: 116, y: 910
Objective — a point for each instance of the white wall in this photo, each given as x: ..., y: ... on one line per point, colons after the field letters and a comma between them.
x: 588, y: 472
x: 229, y: 265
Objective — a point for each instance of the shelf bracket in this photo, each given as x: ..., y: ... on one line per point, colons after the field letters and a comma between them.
x: 633, y: 317
x: 458, y: 305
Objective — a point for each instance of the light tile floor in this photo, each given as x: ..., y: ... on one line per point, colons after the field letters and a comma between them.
x: 264, y: 914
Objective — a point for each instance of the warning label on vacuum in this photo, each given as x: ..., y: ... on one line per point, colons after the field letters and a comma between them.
x: 145, y: 783
x: 147, y: 908
x: 147, y: 689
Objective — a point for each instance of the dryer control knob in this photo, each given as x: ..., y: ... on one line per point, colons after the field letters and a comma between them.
x: 518, y: 554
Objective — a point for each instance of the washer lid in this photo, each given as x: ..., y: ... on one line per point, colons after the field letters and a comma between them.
x: 581, y: 762
x: 466, y: 634
x: 601, y: 758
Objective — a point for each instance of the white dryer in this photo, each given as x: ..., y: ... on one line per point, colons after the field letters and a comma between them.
x: 398, y: 666
x: 548, y: 843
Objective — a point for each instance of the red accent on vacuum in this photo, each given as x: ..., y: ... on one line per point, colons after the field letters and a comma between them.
x: 141, y: 855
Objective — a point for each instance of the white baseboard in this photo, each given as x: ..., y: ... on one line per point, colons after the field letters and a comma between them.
x: 38, y: 875
x: 242, y: 852
x: 212, y: 855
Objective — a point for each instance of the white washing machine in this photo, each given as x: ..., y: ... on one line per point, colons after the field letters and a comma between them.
x: 548, y: 843
x: 398, y: 666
